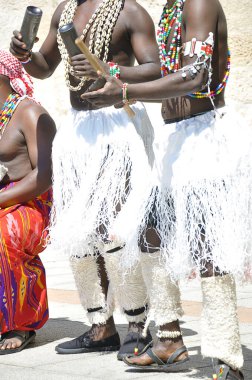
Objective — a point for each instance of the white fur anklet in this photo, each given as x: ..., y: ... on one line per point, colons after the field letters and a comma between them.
x: 85, y: 271
x: 220, y: 327
x: 128, y: 288
x: 168, y: 334
x: 164, y: 295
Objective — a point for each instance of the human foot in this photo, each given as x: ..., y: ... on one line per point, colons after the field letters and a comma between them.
x: 163, y: 353
x: 15, y: 341
x: 135, y: 343
x: 102, y: 331
x: 102, y: 337
x: 224, y: 372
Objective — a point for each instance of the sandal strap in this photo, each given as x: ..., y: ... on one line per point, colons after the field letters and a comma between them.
x: 171, y: 358
x: 154, y: 357
x: 227, y: 373
x: 14, y: 334
x: 176, y: 354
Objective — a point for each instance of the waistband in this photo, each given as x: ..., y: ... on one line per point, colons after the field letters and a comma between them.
x: 177, y: 119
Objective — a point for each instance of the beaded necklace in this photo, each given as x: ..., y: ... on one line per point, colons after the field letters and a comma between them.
x: 170, y: 17
x: 7, y: 111
x: 219, y: 88
x: 100, y: 25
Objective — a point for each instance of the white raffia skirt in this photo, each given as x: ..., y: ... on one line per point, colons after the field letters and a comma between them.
x: 201, y: 202
x: 100, y: 158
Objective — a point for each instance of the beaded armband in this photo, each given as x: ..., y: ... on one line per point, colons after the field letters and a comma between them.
x: 204, y: 52
x: 114, y: 70
x: 201, y: 49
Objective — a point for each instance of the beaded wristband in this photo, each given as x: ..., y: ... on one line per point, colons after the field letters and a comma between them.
x: 125, y: 93
x: 28, y: 59
x: 114, y: 70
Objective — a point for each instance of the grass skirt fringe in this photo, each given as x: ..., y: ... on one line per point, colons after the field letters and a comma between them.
x: 99, y: 158
x: 201, y: 202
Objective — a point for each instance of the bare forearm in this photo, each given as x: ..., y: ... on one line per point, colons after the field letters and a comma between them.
x: 38, y: 67
x: 141, y: 73
x: 26, y: 189
x: 173, y: 85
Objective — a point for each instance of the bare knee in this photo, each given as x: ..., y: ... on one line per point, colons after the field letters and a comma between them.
x: 150, y: 240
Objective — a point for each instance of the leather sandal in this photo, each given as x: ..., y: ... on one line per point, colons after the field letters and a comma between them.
x: 26, y: 337
x: 224, y: 372
x: 159, y: 363
x: 134, y: 344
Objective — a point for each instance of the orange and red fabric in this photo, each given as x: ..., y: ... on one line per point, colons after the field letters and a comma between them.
x: 23, y: 295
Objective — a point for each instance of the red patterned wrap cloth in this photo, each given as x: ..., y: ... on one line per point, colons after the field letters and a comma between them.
x: 20, y: 81
x: 23, y: 234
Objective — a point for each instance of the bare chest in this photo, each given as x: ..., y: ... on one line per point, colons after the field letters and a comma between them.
x: 107, y: 27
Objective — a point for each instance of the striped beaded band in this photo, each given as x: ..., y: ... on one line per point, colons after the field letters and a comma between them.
x: 114, y: 70
x: 7, y: 111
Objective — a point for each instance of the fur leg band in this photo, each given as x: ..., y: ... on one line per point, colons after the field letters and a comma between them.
x: 164, y: 295
x: 128, y: 288
x: 220, y: 328
x: 85, y: 271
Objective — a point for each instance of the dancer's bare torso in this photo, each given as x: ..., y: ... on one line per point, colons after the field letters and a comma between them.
x: 122, y: 49
x: 184, y: 106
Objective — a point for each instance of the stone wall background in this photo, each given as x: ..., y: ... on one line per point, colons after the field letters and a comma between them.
x: 53, y: 94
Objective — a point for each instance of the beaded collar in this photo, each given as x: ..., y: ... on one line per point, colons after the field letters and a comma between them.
x: 8, y: 110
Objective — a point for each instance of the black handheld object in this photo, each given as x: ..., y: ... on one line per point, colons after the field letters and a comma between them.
x: 69, y: 35
x: 30, y: 25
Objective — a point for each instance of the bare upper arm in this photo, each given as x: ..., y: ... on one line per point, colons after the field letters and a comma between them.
x: 200, y: 18
x: 39, y: 130
x: 49, y: 48
x: 141, y: 30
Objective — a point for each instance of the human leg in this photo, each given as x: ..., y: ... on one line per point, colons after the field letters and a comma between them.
x: 23, y: 305
x: 165, y: 309
x: 96, y: 298
x: 220, y: 326
x: 131, y: 294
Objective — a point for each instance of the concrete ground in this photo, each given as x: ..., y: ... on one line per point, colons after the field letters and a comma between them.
x: 41, y: 362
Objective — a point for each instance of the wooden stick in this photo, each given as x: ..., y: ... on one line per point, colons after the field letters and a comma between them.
x: 96, y: 65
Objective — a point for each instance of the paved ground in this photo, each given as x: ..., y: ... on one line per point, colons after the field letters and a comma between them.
x: 41, y: 362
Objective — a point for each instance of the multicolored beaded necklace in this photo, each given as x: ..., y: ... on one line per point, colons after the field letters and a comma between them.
x: 8, y: 110
x: 170, y: 62
x: 169, y: 18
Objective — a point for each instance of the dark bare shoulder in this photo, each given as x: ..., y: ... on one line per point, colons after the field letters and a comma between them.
x: 32, y: 115
x: 57, y: 13
x: 206, y: 8
x: 136, y: 16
